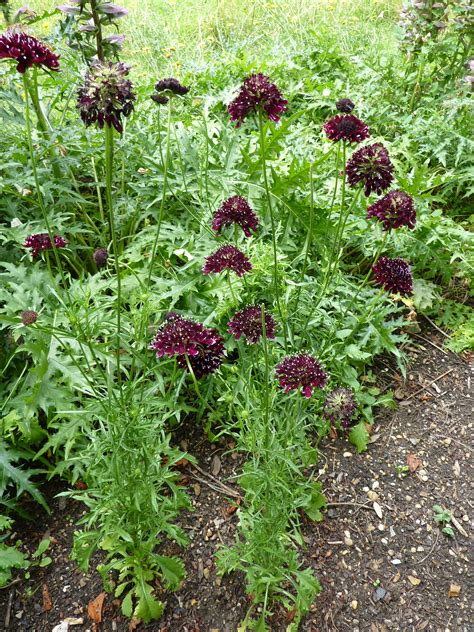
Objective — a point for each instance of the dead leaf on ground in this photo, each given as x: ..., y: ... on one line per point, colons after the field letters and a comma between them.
x: 47, y: 601
x: 378, y: 510
x: 215, y: 465
x: 133, y: 625
x: 454, y: 590
x: 232, y: 507
x: 414, y: 581
x: 94, y: 608
x: 182, y: 462
x: 456, y: 468
x: 413, y: 462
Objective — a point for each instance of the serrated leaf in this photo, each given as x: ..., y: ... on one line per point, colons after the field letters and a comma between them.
x: 359, y: 437
x: 127, y: 604
x: 10, y: 557
x: 147, y: 608
x: 173, y: 570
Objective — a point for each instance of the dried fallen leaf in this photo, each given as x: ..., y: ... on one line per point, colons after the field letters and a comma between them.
x: 232, y: 507
x: 47, y: 601
x: 456, y: 468
x: 378, y: 510
x: 182, y: 462
x: 197, y: 489
x: 454, y: 590
x: 413, y: 462
x: 332, y: 433
x: 215, y: 465
x: 133, y: 625
x: 396, y: 578
x: 414, y: 581
x: 94, y: 608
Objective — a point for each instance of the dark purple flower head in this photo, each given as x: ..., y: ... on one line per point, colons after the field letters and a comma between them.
x: 160, y: 99
x: 394, y: 210
x: 106, y: 95
x: 171, y: 85
x: 372, y: 167
x: 100, y: 257
x: 227, y: 257
x: 41, y: 242
x: 394, y: 275
x: 235, y: 210
x: 27, y: 51
x: 248, y: 323
x: 339, y: 406
x: 29, y: 317
x: 257, y: 93
x: 345, y: 105
x: 182, y: 337
x: 300, y: 370
x: 346, y: 127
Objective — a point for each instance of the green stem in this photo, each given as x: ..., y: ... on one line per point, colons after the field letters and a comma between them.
x: 266, y: 398
x: 44, y: 125
x: 163, y: 196
x: 272, y: 219
x: 109, y: 164
x: 308, y: 237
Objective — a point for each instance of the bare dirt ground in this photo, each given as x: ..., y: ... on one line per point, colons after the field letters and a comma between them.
x: 382, y: 560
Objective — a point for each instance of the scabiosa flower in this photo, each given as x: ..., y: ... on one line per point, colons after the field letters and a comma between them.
x: 257, y: 93
x: 106, y: 95
x: 160, y: 99
x: 372, y: 167
x: 345, y: 105
x: 100, y: 257
x: 27, y: 51
x: 41, y: 241
x: 235, y: 210
x: 171, y: 85
x: 302, y: 370
x: 227, y: 257
x: 346, y: 127
x: 394, y: 210
x: 394, y: 275
x: 182, y: 337
x: 28, y: 317
x: 248, y: 323
x: 339, y: 406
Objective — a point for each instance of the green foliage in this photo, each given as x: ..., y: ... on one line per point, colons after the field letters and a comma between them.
x: 443, y: 517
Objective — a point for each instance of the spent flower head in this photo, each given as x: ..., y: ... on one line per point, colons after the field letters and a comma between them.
x: 235, y: 210
x: 300, y: 370
x: 257, y: 93
x: 27, y: 51
x: 227, y: 257
x: 41, y: 241
x: 394, y: 210
x: 346, y: 127
x: 106, y: 95
x: 28, y: 317
x: 370, y: 166
x: 394, y: 275
x: 189, y: 341
x: 100, y: 257
x: 339, y: 406
x: 248, y: 322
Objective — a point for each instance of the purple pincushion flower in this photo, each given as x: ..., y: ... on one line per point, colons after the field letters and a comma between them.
x: 339, y: 406
x: 300, y: 370
x: 182, y: 337
x: 100, y: 257
x: 227, y: 257
x: 171, y: 85
x: 394, y: 210
x: 370, y: 166
x: 394, y: 275
x: 345, y: 105
x: 27, y: 51
x: 42, y: 241
x: 248, y: 323
x: 235, y: 210
x: 346, y: 127
x: 257, y: 93
x: 106, y: 95
x: 28, y: 317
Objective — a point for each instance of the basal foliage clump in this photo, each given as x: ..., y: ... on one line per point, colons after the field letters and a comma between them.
x: 236, y: 264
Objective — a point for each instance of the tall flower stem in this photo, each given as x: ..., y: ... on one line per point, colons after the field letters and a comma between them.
x: 109, y: 164
x: 266, y: 393
x: 309, y: 237
x: 163, y: 195
x: 272, y: 219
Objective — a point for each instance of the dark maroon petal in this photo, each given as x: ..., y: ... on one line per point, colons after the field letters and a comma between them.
x: 300, y: 370
x: 345, y: 105
x: 370, y: 166
x: 41, y: 241
x: 171, y: 85
x: 248, y: 323
x: 257, y: 92
x: 29, y: 317
x: 227, y: 257
x: 394, y: 275
x: 346, y: 127
x: 235, y: 210
x: 27, y: 51
x: 394, y: 210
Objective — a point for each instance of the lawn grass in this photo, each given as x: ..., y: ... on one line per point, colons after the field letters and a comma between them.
x: 168, y: 36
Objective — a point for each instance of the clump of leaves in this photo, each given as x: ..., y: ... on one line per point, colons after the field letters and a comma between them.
x: 443, y: 517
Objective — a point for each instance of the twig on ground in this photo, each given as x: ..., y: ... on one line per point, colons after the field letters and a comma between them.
x: 9, y: 608
x: 426, y: 387
x: 436, y: 326
x: 429, y: 552
x: 351, y: 504
x: 430, y: 343
x: 218, y: 486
